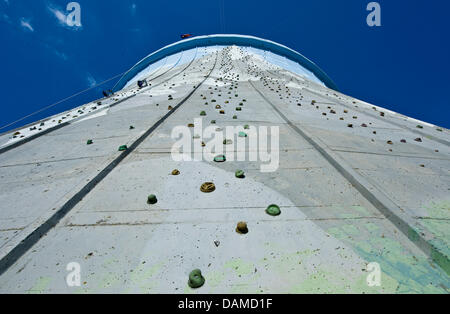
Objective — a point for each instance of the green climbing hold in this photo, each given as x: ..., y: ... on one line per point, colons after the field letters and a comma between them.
x: 246, y: 127
x: 151, y: 200
x: 203, y: 113
x: 238, y: 109
x: 234, y: 117
x: 123, y: 148
x: 240, y: 174
x: 273, y: 210
x: 213, y: 121
x: 242, y: 134
x: 196, y: 280
x: 90, y: 142
x: 220, y: 158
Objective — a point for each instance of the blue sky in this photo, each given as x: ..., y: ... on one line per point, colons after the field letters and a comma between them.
x: 402, y: 65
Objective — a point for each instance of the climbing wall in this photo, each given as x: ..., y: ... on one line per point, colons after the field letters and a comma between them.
x: 356, y: 184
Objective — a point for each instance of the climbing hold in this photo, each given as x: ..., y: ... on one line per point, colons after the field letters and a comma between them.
x: 90, y: 142
x: 418, y: 140
x: 242, y: 134
x: 273, y: 210
x: 131, y: 127
x: 208, y: 187
x: 213, y: 121
x: 420, y: 127
x: 176, y: 172
x: 196, y: 280
x: 242, y: 228
x: 350, y: 125
x: 246, y: 127
x: 227, y: 142
x: 222, y: 111
x: 170, y: 108
x: 238, y: 109
x: 403, y: 141
x: 191, y: 125
x: 151, y: 200
x: 240, y: 174
x: 203, y: 113
x: 123, y: 148
x: 220, y: 158
x: 364, y: 125
x: 390, y: 142
x: 235, y: 117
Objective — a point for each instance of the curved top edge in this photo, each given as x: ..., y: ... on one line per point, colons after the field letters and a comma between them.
x: 225, y: 40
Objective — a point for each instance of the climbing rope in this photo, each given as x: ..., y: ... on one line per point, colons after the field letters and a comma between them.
x: 222, y: 16
x: 59, y: 102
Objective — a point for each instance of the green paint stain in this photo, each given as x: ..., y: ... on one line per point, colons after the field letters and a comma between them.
x: 439, y: 227
x: 40, y: 286
x: 142, y: 276
x: 215, y: 278
x: 413, y: 274
x: 240, y: 267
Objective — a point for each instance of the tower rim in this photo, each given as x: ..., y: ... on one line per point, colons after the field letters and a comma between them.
x: 226, y: 40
